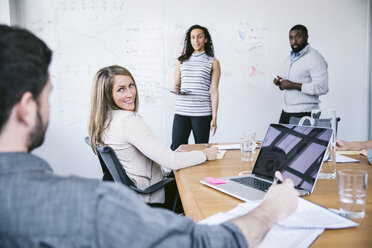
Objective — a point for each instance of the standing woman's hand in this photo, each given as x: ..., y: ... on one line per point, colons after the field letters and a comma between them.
x: 213, y: 126
x: 215, y: 80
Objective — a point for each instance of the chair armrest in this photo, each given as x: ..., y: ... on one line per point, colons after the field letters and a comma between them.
x: 154, y: 187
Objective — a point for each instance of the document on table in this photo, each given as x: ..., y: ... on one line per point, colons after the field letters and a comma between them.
x: 220, y: 154
x: 345, y: 159
x: 289, y: 237
x: 298, y: 230
x: 278, y: 236
x: 233, y: 146
x: 311, y: 215
x: 348, y: 152
x: 307, y: 215
x: 228, y: 147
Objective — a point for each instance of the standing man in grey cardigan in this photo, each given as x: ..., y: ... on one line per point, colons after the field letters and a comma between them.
x: 305, y: 77
x: 41, y: 209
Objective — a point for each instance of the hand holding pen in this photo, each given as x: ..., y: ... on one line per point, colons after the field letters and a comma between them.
x: 282, y: 196
x: 278, y: 178
x: 278, y: 81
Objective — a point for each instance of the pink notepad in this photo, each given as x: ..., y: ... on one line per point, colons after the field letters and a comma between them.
x: 215, y: 181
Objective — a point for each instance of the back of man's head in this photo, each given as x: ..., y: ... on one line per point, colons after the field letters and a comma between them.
x: 300, y: 27
x: 24, y: 62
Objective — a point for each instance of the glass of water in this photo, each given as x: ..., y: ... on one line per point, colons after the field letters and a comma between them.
x: 327, y: 118
x: 248, y: 146
x: 352, y: 189
x: 328, y: 169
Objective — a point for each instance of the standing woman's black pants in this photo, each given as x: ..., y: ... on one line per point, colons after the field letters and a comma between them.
x: 182, y: 126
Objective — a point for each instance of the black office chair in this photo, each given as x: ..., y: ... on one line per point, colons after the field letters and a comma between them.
x: 113, y: 171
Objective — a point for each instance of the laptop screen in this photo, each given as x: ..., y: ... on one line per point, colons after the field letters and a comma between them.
x: 296, y: 151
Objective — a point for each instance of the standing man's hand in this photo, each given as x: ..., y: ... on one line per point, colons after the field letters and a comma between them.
x: 277, y: 80
x: 286, y: 84
x: 289, y: 85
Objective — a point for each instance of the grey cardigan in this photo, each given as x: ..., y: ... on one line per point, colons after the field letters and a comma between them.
x: 310, y: 70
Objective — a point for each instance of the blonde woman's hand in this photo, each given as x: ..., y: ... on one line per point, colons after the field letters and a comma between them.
x: 210, y: 153
x: 180, y: 149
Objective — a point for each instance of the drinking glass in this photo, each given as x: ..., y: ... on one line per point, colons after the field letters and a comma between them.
x: 352, y: 189
x: 248, y: 146
x: 327, y: 118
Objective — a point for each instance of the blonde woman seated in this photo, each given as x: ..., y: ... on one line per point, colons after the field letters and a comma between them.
x: 114, y: 121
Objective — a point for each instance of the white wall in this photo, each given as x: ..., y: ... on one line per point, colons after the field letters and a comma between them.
x: 251, y: 42
x: 369, y: 66
x: 339, y: 31
x: 4, y: 12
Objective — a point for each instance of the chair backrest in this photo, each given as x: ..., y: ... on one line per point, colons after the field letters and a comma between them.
x: 317, y: 122
x: 109, y: 159
x: 111, y: 166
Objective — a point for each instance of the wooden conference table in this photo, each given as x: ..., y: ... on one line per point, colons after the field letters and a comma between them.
x: 200, y: 201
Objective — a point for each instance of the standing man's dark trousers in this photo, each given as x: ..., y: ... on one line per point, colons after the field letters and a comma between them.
x: 285, y: 116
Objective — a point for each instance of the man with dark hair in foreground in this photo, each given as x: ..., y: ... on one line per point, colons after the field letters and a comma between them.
x: 40, y: 209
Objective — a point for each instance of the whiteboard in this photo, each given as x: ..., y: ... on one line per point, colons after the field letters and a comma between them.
x: 251, y: 42
x: 4, y: 12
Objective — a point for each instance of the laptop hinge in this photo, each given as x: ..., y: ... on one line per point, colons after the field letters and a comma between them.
x: 263, y: 177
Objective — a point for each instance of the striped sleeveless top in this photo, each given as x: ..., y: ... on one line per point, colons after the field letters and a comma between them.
x: 195, y: 77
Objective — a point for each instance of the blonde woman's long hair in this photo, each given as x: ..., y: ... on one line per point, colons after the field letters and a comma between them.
x: 102, y: 102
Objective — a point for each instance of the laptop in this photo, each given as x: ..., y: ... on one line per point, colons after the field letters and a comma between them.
x: 296, y: 151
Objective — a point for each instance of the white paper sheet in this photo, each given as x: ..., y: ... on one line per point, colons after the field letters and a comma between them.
x: 299, y: 230
x: 310, y: 215
x: 278, y: 236
x: 284, y: 237
x: 345, y: 159
x: 228, y: 147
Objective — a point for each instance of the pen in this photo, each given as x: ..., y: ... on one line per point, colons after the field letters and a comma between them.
x: 277, y: 180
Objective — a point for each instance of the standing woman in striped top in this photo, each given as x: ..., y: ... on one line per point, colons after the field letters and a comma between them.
x: 196, y: 84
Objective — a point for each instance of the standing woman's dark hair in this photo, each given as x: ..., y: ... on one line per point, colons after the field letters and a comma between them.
x: 187, y: 48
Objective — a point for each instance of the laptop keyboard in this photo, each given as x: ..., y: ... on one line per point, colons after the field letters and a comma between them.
x: 253, y: 182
